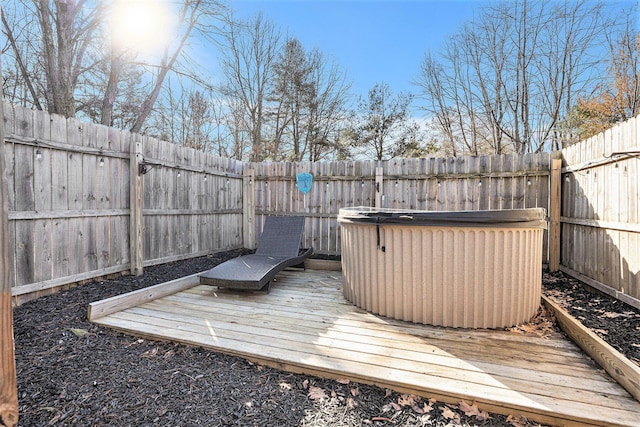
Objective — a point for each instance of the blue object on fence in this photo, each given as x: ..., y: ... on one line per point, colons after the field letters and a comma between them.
x: 304, y: 181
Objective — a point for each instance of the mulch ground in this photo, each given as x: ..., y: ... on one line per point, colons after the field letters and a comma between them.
x: 75, y: 373
x: 615, y: 322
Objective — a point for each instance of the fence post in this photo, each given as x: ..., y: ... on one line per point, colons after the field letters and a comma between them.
x: 248, y: 208
x: 555, y: 204
x: 8, y: 380
x: 136, y: 224
x: 379, y: 182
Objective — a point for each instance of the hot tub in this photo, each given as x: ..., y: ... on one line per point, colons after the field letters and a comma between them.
x: 466, y: 269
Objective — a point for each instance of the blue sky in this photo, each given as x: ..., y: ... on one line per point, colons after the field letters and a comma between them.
x: 372, y: 40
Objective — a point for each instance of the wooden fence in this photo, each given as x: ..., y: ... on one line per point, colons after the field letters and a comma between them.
x: 75, y: 188
x: 87, y: 201
x: 601, y: 211
x: 464, y: 183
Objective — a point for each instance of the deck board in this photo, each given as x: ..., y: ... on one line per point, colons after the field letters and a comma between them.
x: 304, y: 325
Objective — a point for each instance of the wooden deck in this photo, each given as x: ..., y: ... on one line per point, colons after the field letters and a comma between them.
x: 304, y: 325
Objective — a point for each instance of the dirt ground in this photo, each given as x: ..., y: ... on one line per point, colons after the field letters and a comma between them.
x: 74, y: 373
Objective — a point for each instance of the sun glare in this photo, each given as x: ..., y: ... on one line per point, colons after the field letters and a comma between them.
x: 144, y: 26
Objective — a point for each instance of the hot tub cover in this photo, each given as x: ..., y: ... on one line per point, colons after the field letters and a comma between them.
x: 533, y: 217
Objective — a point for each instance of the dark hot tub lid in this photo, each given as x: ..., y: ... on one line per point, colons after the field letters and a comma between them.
x: 533, y: 217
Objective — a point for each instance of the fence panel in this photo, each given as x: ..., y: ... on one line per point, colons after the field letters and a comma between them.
x: 465, y: 183
x: 192, y: 202
x: 600, y: 214
x: 69, y: 200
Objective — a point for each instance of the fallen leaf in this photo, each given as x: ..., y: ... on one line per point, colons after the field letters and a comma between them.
x: 150, y: 353
x: 351, y: 403
x: 417, y: 409
x: 424, y: 419
x: 427, y: 407
x: 407, y: 400
x: 316, y: 393
x: 469, y: 410
x: 355, y: 391
x: 305, y: 384
x: 448, y: 413
x: 473, y: 411
x: 343, y: 380
x: 483, y: 416
x: 517, y: 421
x: 284, y: 386
x: 79, y: 332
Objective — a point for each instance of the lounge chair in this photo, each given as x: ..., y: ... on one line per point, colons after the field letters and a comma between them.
x: 278, y: 248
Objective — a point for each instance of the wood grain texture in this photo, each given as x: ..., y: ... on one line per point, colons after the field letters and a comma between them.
x: 8, y: 380
x: 600, y: 227
x: 489, y: 182
x: 112, y: 305
x: 136, y: 248
x: 304, y: 325
x: 554, y: 215
x: 616, y: 364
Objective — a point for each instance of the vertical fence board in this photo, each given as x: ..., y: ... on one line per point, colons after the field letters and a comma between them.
x: 600, y: 219
x: 8, y: 378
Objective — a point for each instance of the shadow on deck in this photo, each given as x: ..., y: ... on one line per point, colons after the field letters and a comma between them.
x: 306, y: 326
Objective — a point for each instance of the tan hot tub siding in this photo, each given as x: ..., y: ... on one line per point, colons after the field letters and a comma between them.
x: 463, y: 277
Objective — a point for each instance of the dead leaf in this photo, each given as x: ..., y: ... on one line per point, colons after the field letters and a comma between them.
x: 483, y: 416
x: 150, y: 353
x: 317, y: 393
x: 469, y: 410
x: 517, y: 421
x: 473, y: 411
x: 417, y: 409
x: 305, y: 384
x: 351, y: 403
x: 355, y: 391
x: 79, y: 332
x: 424, y: 419
x: 450, y: 415
x: 427, y: 407
x: 284, y: 386
x: 343, y: 380
x: 407, y: 400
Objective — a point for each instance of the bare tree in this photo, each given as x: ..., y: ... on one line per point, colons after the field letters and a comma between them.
x: 67, y: 30
x: 328, y: 117
x: 309, y: 98
x: 250, y: 50
x: 510, y: 76
x: 62, y: 58
x: 618, y: 98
